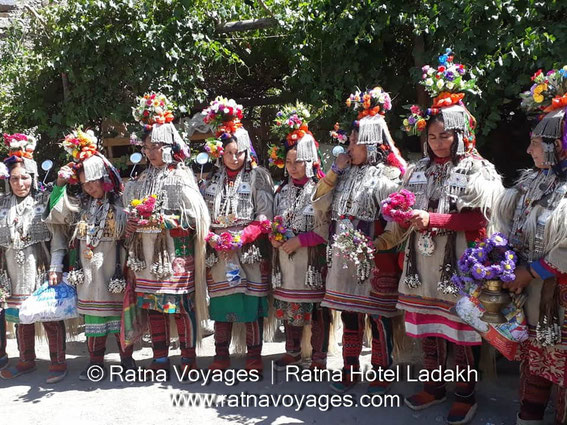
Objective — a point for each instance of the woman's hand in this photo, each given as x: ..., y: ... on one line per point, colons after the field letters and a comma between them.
x: 131, y: 225
x: 276, y: 244
x: 64, y: 174
x: 523, y: 279
x: 291, y: 245
x: 55, y: 278
x: 342, y: 161
x: 420, y: 219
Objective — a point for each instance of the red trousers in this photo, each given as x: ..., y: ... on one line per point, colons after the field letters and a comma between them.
x: 55, y: 334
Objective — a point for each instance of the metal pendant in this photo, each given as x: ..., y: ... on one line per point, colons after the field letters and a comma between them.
x: 20, y: 258
x: 425, y: 244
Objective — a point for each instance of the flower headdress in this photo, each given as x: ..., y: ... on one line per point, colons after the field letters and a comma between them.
x: 20, y: 149
x: 222, y: 110
x: 372, y: 106
x: 548, y: 97
x: 447, y: 85
x: 155, y: 113
x: 224, y: 116
x: 291, y: 125
x: 82, y: 147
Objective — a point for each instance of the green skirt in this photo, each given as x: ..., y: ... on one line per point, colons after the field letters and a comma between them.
x: 101, y: 326
x: 238, y: 308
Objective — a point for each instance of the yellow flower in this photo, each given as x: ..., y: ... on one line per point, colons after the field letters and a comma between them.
x: 135, y: 202
x: 538, y: 97
x: 154, y: 196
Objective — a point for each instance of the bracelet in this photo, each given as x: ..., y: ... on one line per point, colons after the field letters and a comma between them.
x: 335, y: 169
x: 531, y: 272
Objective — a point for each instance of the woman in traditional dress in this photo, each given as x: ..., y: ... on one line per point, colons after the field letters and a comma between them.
x: 351, y: 194
x: 97, y: 224
x: 298, y: 269
x: 534, y: 215
x: 166, y: 229
x: 454, y: 189
x: 239, y: 196
x: 24, y: 256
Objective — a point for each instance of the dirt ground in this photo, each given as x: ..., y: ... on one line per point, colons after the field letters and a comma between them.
x: 28, y: 400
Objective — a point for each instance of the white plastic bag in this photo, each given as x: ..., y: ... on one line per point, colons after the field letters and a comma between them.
x: 49, y: 304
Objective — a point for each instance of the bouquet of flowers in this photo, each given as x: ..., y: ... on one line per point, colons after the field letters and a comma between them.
x: 153, y: 108
x: 416, y: 122
x: 548, y: 92
x: 214, y: 148
x: 490, y: 259
x: 226, y: 241
x: 370, y: 102
x: 80, y: 144
x: 398, y: 206
x: 148, y: 210
x: 355, y: 247
x: 291, y: 122
x: 448, y: 78
x: 276, y: 156
x: 279, y: 232
x: 339, y: 134
x: 69, y: 173
x: 222, y: 110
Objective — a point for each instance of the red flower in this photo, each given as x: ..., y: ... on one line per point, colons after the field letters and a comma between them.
x: 279, y: 313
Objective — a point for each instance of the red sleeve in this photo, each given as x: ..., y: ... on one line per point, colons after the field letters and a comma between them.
x: 310, y: 239
x: 458, y: 222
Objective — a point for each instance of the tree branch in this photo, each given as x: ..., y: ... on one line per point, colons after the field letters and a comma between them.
x: 268, y: 11
x: 247, y: 25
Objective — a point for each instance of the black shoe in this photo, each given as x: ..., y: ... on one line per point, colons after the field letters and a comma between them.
x: 93, y: 372
x: 128, y: 363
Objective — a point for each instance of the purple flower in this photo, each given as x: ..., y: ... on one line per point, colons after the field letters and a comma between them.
x: 507, y: 277
x: 450, y: 76
x: 411, y: 120
x: 480, y: 254
x: 510, y: 256
x: 479, y: 271
x: 462, y: 71
x: 498, y: 239
x: 508, y: 266
x: 495, y: 271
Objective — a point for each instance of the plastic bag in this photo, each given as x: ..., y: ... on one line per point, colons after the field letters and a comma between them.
x: 49, y: 304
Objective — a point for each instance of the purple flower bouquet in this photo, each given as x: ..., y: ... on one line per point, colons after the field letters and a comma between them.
x: 491, y: 259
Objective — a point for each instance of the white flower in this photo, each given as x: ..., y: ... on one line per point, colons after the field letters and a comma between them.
x: 429, y: 82
x: 440, y: 84
x: 450, y: 85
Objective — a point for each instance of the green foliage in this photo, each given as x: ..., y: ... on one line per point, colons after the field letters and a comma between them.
x: 88, y: 59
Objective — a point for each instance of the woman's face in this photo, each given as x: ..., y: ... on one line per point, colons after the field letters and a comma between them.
x: 92, y: 188
x: 20, y: 181
x: 154, y: 152
x: 232, y: 159
x: 537, y: 151
x: 358, y: 153
x: 296, y: 169
x: 440, y: 140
